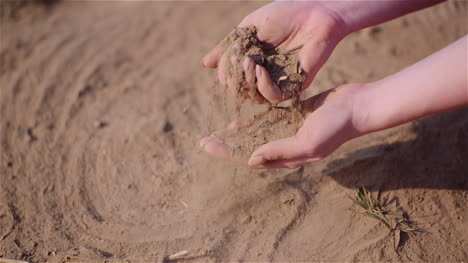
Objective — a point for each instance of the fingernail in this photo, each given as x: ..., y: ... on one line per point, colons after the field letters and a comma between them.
x: 204, y: 146
x: 258, y: 71
x: 205, y: 141
x: 202, y: 62
x: 256, y: 161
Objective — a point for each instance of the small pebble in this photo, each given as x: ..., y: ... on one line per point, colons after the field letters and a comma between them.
x: 99, y: 124
x: 31, y: 137
x: 246, y: 220
x: 372, y: 31
x: 167, y: 127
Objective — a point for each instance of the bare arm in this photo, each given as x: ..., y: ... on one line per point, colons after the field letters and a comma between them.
x: 318, y: 26
x: 436, y: 84
x: 357, y: 15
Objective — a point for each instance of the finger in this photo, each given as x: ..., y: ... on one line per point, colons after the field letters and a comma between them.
x: 228, y: 69
x: 266, y: 87
x: 212, y: 58
x: 312, y: 57
x: 249, y: 72
x: 259, y: 99
x: 215, y: 147
x: 288, y: 148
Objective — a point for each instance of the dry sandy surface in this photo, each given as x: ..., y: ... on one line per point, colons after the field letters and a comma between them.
x: 101, y: 109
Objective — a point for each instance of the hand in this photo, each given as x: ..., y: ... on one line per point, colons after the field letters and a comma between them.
x: 330, y: 122
x: 286, y: 25
x: 341, y: 114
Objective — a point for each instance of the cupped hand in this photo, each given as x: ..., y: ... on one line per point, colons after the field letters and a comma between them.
x: 330, y: 120
x: 285, y: 25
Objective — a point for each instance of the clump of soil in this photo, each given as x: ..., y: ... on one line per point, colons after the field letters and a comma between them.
x: 283, y: 66
x: 284, y: 69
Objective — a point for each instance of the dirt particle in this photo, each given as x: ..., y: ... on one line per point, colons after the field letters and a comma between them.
x: 373, y: 31
x: 30, y: 135
x: 246, y: 219
x: 86, y: 89
x: 167, y: 127
x: 99, y: 124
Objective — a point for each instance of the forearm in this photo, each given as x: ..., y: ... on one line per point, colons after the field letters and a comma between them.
x: 435, y: 84
x: 357, y: 15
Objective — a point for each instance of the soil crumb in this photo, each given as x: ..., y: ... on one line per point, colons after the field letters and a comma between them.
x: 139, y: 190
x: 285, y: 71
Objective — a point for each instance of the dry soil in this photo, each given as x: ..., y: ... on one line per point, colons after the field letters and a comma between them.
x: 103, y: 103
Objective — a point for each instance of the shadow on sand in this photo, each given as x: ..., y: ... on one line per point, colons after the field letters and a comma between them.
x: 436, y: 159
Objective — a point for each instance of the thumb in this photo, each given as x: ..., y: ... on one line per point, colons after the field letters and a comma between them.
x: 212, y: 58
x: 312, y: 57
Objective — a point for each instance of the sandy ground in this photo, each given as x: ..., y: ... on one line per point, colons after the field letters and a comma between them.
x: 101, y: 109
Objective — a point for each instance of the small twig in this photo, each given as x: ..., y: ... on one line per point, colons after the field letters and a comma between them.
x: 184, y: 203
x: 178, y: 255
x: 383, y: 213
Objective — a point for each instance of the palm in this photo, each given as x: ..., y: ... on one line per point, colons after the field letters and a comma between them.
x: 313, y: 141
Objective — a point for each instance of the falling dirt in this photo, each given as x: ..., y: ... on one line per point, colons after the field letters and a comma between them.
x: 274, y: 124
x: 284, y: 70
x: 102, y: 106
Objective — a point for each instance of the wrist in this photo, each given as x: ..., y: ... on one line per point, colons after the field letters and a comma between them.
x: 340, y: 13
x: 337, y: 25
x: 369, y: 112
x: 360, y: 108
x: 320, y: 19
x: 356, y: 15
